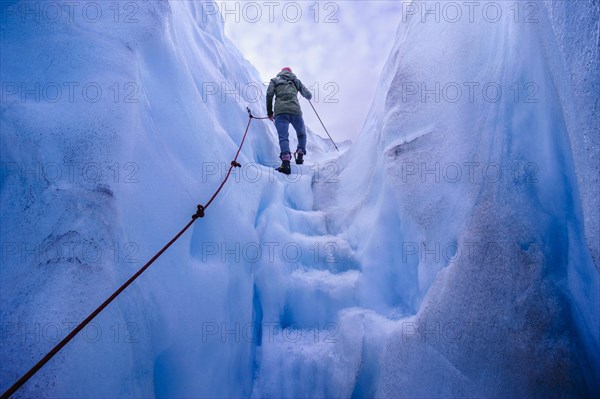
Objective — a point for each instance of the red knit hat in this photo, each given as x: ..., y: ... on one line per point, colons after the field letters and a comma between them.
x: 287, y: 69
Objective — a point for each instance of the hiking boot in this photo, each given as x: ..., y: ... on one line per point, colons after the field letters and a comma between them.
x: 285, y: 168
x: 299, y: 158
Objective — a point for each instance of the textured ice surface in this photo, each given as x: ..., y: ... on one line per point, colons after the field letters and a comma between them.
x: 451, y: 251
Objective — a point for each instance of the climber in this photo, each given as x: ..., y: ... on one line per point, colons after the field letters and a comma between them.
x: 285, y: 87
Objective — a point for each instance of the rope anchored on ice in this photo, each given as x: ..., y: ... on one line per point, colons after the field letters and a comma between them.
x: 199, y: 213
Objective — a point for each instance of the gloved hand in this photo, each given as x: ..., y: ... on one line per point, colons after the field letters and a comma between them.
x: 271, y: 116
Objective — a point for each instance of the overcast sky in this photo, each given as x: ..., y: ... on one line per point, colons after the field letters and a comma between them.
x: 337, y: 49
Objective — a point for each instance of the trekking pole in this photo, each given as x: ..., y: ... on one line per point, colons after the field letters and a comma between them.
x: 313, y: 107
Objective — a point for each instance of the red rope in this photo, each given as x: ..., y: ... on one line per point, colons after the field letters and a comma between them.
x: 233, y: 164
x: 87, y: 320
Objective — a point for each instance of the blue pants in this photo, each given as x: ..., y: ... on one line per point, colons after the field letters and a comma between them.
x: 282, y: 124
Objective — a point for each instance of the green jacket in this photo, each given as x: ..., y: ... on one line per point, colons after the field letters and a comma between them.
x: 285, y: 86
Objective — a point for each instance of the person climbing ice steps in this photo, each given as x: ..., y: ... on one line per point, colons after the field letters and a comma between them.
x: 285, y: 87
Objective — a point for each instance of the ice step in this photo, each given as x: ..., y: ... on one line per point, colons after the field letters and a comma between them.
x: 314, y: 297
x: 307, y: 222
x: 325, y: 252
x: 298, y: 192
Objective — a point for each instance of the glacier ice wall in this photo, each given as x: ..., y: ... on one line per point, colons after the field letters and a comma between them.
x: 478, y: 165
x: 577, y: 35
